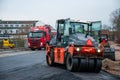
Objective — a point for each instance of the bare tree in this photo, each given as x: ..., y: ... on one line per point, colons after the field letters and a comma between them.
x: 115, y: 19
x: 106, y: 27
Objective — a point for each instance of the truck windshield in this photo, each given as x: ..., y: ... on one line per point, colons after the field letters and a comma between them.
x: 35, y: 34
x: 79, y: 27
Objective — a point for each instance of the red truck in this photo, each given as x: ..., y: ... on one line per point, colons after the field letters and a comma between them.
x: 38, y: 37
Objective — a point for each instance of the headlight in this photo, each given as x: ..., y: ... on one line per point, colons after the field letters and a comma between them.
x: 98, y: 50
x: 77, y: 49
x: 41, y: 43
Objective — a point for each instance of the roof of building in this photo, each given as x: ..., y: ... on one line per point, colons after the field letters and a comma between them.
x: 18, y: 21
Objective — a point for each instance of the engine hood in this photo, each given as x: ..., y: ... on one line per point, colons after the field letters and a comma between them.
x: 80, y: 39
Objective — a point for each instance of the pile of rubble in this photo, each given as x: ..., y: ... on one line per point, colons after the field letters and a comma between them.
x: 112, y: 67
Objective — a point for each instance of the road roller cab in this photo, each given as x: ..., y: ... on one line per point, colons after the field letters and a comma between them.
x: 74, y: 47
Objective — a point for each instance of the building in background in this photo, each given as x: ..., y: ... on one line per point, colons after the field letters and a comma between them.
x: 16, y: 28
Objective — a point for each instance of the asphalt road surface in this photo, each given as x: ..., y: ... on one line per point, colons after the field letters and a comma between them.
x: 32, y: 66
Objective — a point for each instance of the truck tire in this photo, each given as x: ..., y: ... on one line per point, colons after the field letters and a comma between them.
x: 45, y: 48
x: 71, y: 63
x: 32, y: 49
x: 50, y: 58
x: 39, y: 48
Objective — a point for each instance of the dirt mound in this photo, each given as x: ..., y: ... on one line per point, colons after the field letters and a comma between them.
x: 111, y: 66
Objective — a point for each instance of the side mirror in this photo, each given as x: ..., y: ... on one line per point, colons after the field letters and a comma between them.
x: 70, y: 30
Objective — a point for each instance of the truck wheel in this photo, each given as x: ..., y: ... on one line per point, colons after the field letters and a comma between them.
x: 39, y: 48
x: 71, y: 63
x: 45, y: 48
x: 50, y: 58
x: 32, y: 49
x: 98, y: 65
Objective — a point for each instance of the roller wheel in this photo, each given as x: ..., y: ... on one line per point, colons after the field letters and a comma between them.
x: 91, y: 65
x: 83, y: 65
x: 113, y: 56
x: 71, y: 63
x: 98, y: 65
x: 50, y: 58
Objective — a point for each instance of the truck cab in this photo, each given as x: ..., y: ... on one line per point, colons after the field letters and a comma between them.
x: 38, y: 37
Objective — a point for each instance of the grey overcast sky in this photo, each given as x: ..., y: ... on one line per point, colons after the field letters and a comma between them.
x: 48, y: 11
